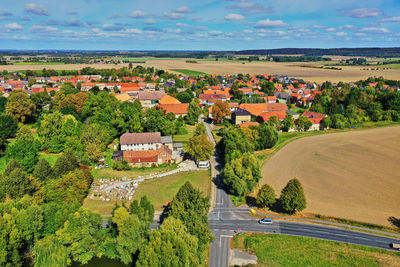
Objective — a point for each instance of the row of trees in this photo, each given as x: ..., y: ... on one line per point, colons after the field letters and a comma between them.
x: 292, y: 198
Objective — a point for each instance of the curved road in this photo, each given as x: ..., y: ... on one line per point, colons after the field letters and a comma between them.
x: 225, y: 219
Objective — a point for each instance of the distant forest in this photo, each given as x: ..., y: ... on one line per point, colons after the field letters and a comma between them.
x: 361, y: 52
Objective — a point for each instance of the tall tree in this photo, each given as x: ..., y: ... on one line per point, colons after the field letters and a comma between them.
x: 266, y: 196
x: 220, y: 110
x: 194, y: 111
x: 66, y: 163
x: 268, y: 136
x: 200, y: 148
x: 292, y: 197
x: 8, y: 126
x: 42, y: 170
x: 25, y: 152
x: 20, y: 106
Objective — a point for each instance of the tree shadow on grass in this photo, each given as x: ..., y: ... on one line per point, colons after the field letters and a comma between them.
x: 394, y: 221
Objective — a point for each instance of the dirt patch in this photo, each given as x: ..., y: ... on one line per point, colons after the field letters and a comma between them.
x: 352, y: 175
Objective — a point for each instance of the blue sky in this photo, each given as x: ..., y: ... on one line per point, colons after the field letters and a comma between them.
x: 197, y: 25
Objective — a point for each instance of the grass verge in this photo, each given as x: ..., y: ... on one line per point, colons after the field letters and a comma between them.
x: 281, y: 250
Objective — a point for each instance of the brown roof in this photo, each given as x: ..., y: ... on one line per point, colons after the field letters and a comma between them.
x: 145, y: 155
x: 167, y: 99
x: 314, y: 117
x: 151, y: 95
x: 257, y: 109
x: 140, y: 138
x: 175, y: 108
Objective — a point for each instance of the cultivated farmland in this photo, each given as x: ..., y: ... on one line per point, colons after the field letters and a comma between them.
x: 352, y: 175
x: 308, y: 71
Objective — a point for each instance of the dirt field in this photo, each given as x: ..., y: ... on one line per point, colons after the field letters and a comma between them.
x: 348, y: 74
x: 352, y: 175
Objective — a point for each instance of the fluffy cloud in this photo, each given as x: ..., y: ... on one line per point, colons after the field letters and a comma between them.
x: 36, y: 9
x: 13, y: 27
x: 112, y: 27
x: 150, y: 22
x: 183, y: 9
x: 363, y: 13
x: 250, y: 8
x: 330, y: 29
x: 43, y: 29
x: 137, y: 14
x: 234, y: 17
x: 341, y: 34
x: 270, y: 24
x: 391, y: 19
x: 374, y: 30
x: 173, y: 16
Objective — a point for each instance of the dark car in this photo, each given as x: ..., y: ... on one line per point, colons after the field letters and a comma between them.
x: 265, y: 221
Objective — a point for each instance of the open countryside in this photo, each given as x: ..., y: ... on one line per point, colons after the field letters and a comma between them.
x: 307, y: 71
x: 353, y: 175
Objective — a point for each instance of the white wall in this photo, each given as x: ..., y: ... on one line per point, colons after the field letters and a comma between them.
x: 140, y: 147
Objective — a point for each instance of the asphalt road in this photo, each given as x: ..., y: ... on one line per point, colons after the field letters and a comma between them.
x: 225, y: 220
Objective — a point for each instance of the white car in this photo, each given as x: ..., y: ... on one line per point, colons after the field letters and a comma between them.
x: 265, y: 221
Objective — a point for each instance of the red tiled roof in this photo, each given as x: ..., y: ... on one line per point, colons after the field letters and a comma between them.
x: 145, y: 156
x: 265, y: 116
x: 257, y: 109
x: 177, y: 109
x: 314, y: 117
x: 248, y: 124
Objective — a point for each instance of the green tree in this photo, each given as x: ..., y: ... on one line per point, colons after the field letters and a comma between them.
x: 235, y: 144
x: 292, y: 197
x: 3, y: 102
x: 15, y: 184
x: 20, y: 106
x: 24, y: 133
x: 95, y: 139
x: 66, y: 163
x: 242, y: 174
x: 287, y: 123
x: 194, y: 111
x: 82, y: 235
x: 200, y: 148
x: 338, y: 121
x: 190, y: 207
x: 8, y: 126
x: 143, y: 209
x: 42, y: 170
x: 268, y: 136
x: 49, y: 252
x: 184, y: 97
x: 302, y: 123
x: 50, y: 132
x: 172, y: 245
x: 266, y: 196
x: 25, y: 152
x: 200, y: 129
x: 157, y: 121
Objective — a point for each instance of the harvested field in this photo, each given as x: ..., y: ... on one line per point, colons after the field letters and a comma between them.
x: 307, y: 71
x: 352, y: 175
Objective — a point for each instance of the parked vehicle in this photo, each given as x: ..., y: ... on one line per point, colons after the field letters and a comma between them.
x: 265, y: 221
x: 107, y: 165
x: 203, y: 164
x: 395, y: 246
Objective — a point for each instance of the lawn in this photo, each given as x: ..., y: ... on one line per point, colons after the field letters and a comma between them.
x: 159, y: 191
x: 189, y: 72
x: 184, y: 138
x: 281, y: 250
x: 51, y: 158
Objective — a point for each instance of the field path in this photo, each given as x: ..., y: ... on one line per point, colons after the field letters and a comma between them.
x: 353, y: 175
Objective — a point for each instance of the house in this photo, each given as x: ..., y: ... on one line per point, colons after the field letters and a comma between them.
x: 315, y: 119
x: 210, y: 99
x: 167, y: 141
x: 124, y: 98
x: 240, y: 116
x: 148, y: 157
x: 248, y: 124
x: 270, y: 99
x: 176, y: 109
x: 294, y: 114
x: 167, y: 99
x: 150, y: 98
x: 140, y: 141
x: 266, y: 116
x: 256, y: 109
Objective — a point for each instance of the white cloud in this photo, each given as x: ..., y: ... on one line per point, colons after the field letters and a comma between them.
x: 36, y: 9
x: 173, y: 16
x: 234, y: 17
x: 183, y: 9
x: 150, y: 22
x: 250, y: 8
x: 132, y: 31
x: 270, y: 24
x: 13, y: 27
x: 341, y: 34
x: 363, y: 13
x: 215, y: 33
x: 137, y: 14
x: 41, y: 28
x: 374, y: 30
x: 346, y: 27
x: 331, y: 29
x: 391, y: 19
x: 182, y: 25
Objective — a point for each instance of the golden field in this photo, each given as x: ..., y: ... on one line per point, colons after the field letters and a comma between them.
x: 352, y: 175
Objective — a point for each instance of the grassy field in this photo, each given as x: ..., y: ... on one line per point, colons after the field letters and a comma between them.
x: 281, y: 250
x: 109, y: 173
x: 159, y: 191
x: 353, y: 175
x: 184, y: 138
x: 38, y: 63
x: 192, y: 73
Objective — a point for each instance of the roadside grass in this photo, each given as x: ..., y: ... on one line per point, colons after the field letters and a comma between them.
x: 282, y: 250
x: 189, y: 72
x: 159, y: 191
